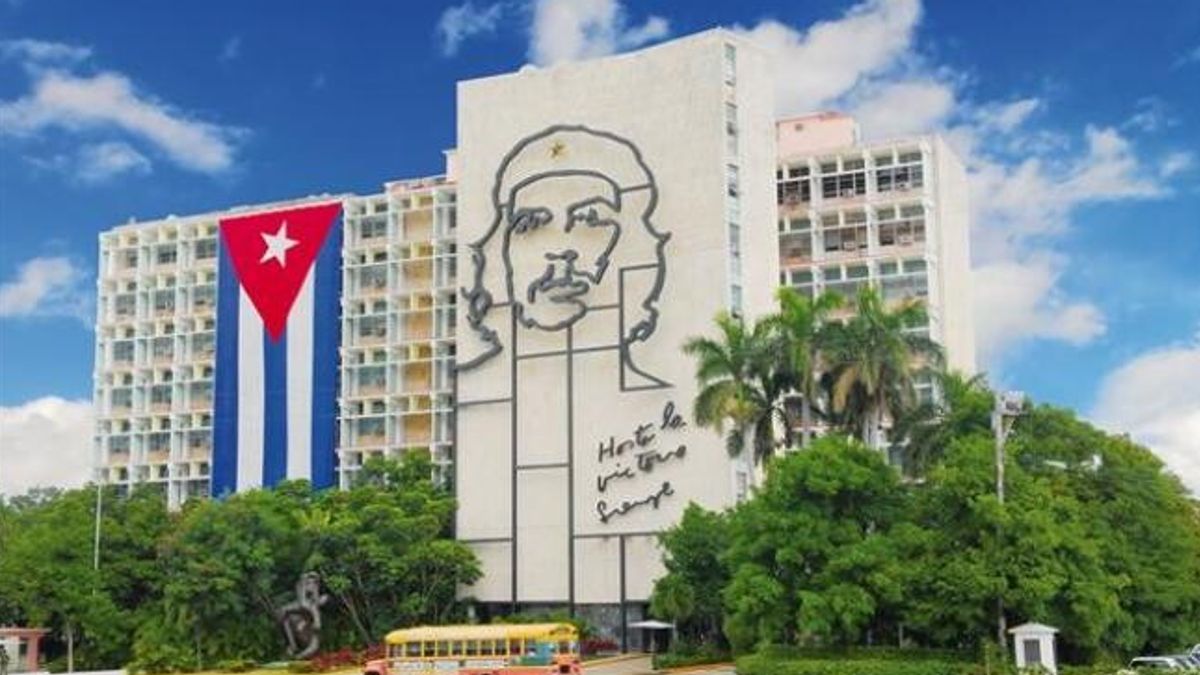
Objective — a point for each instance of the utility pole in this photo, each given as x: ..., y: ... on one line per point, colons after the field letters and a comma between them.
x: 1004, y: 415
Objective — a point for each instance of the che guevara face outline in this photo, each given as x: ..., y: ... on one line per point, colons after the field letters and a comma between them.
x: 560, y: 233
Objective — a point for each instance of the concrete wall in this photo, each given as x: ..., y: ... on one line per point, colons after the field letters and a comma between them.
x: 574, y: 428
x: 954, y: 254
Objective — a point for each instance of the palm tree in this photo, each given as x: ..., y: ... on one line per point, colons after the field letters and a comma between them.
x: 873, y: 358
x: 800, y: 324
x: 740, y: 384
x: 964, y: 408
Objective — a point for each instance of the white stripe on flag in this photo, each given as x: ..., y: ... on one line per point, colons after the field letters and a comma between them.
x: 250, y: 395
x: 299, y: 376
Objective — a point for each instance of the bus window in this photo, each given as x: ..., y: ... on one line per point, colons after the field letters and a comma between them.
x: 427, y: 649
x: 514, y: 647
x: 412, y: 649
x: 564, y: 647
x: 470, y: 648
x: 456, y: 648
x: 485, y: 648
x: 443, y: 648
x: 501, y: 648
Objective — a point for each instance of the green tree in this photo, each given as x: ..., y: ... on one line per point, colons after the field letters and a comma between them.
x: 229, y: 566
x: 384, y: 549
x: 963, y: 408
x: 801, y: 323
x: 872, y: 359
x: 741, y: 384
x: 1093, y: 537
x: 46, y: 560
x: 810, y: 554
x: 689, y: 594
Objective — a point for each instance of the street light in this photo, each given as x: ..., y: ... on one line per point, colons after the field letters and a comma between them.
x: 1008, y: 407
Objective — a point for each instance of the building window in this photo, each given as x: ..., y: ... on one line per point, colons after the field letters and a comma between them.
x: 372, y: 327
x: 166, y: 255
x: 202, y: 345
x: 847, y: 184
x: 908, y: 174
x: 160, y: 394
x: 164, y: 302
x: 372, y: 378
x: 206, y: 249
x: 373, y: 278
x: 373, y: 228
x: 794, y: 188
x: 125, y: 304
x: 203, y: 298
x: 731, y: 180
x: 123, y: 351
x: 730, y: 64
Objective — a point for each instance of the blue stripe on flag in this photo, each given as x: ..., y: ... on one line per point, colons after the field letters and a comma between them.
x: 327, y: 289
x: 275, y: 414
x: 225, y: 388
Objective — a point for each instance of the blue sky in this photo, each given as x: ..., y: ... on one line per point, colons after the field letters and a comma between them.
x: 1078, y: 120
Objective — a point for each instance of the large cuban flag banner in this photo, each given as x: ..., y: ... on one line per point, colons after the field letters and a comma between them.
x: 278, y: 293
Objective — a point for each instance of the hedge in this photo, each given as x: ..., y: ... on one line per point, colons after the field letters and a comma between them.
x: 759, y: 664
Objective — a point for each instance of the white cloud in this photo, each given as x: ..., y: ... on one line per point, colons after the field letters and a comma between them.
x: 41, y: 52
x: 464, y: 21
x: 47, y: 287
x: 231, y: 50
x: 1155, y: 397
x: 108, y: 102
x: 1018, y: 300
x: 815, y: 67
x: 1151, y: 114
x: 1176, y: 163
x: 1028, y: 181
x: 1191, y: 56
x: 906, y: 107
x: 102, y: 161
x: 46, y: 442
x: 571, y: 30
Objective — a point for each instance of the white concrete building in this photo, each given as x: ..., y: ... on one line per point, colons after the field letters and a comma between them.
x: 893, y: 214
x: 521, y: 317
x: 607, y: 212
x: 155, y: 353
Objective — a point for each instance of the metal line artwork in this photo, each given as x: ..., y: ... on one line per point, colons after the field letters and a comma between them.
x: 572, y: 212
x: 567, y: 276
x: 635, y: 455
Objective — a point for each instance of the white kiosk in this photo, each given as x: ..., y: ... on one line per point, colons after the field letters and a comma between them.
x: 1033, y: 646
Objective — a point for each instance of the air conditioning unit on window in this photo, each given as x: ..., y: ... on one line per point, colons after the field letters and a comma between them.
x: 902, y: 185
x: 906, y: 240
x: 849, y: 192
x: 849, y: 246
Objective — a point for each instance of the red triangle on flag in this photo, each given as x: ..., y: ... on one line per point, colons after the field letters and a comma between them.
x: 273, y: 253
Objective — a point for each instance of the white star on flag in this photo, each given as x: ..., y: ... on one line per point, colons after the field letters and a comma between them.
x: 277, y: 245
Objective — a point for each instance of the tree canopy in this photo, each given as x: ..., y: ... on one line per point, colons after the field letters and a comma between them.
x: 189, y: 590
x: 836, y: 549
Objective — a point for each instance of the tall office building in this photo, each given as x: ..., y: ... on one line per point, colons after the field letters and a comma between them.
x: 892, y: 214
x: 155, y: 357
x: 520, y: 318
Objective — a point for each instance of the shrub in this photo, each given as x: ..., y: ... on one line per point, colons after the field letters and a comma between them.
x: 592, y: 646
x: 686, y: 655
x: 758, y: 664
x: 236, y: 665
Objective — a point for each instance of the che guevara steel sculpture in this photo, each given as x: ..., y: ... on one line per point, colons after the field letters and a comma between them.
x: 301, y: 618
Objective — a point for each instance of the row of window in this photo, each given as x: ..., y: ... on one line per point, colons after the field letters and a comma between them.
x: 796, y: 186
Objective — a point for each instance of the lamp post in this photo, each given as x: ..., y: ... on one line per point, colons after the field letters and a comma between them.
x: 1004, y: 415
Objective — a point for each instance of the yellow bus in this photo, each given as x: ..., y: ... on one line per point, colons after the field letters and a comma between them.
x: 494, y: 649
